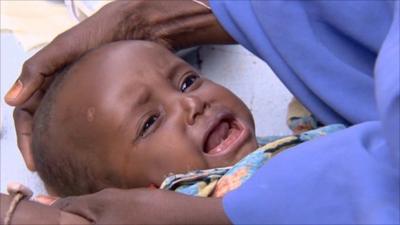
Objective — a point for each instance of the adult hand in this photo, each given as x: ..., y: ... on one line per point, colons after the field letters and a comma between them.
x: 175, y: 24
x: 144, y: 206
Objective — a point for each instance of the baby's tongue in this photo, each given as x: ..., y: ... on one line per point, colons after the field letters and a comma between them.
x: 217, y: 136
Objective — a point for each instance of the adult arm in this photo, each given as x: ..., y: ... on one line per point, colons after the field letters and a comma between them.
x: 28, y: 212
x: 145, y: 206
x: 176, y: 24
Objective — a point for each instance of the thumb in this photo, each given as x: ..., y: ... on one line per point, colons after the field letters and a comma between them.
x: 43, y: 64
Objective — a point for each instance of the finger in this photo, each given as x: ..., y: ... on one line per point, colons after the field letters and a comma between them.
x: 34, y: 101
x: 68, y: 202
x: 75, y: 205
x: 15, y: 187
x: 68, y: 219
x: 23, y: 119
x: 60, y: 52
x: 45, y: 199
x: 62, y: 203
x: 23, y: 126
x: 47, y: 82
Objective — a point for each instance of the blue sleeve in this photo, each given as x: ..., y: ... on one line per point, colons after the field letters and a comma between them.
x: 341, y: 60
x: 387, y: 86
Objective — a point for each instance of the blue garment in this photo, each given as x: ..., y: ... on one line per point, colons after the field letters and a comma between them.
x: 341, y: 60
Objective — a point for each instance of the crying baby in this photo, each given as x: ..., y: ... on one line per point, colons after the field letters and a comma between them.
x: 131, y: 114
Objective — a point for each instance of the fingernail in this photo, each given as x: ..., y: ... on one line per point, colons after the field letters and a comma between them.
x: 15, y: 90
x: 46, y: 200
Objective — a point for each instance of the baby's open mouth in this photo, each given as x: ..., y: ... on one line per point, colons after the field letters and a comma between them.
x: 221, y: 137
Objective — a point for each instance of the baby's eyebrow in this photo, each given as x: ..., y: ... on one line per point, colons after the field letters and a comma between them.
x: 172, y: 71
x: 143, y: 95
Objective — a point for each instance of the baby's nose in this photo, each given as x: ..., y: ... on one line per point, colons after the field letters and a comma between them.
x: 193, y: 106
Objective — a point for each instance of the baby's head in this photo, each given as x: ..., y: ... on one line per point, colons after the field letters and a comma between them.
x: 129, y: 114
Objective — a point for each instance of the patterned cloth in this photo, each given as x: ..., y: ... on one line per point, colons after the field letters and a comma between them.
x: 217, y: 182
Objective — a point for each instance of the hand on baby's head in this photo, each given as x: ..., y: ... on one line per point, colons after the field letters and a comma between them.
x: 129, y: 114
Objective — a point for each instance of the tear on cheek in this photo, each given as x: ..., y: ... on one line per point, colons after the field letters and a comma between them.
x: 90, y: 114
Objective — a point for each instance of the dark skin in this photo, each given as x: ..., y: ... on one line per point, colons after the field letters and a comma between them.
x: 146, y: 206
x: 35, y: 213
x: 157, y: 118
x: 114, y: 117
x: 175, y: 24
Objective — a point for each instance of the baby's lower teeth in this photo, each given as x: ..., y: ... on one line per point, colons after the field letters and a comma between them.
x: 225, y: 142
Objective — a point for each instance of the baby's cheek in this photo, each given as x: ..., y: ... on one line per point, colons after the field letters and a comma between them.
x: 182, y: 159
x: 248, y: 148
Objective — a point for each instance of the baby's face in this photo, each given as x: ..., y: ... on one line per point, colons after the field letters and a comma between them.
x: 150, y: 114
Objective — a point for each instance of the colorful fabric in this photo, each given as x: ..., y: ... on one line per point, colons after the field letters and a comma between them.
x: 217, y: 182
